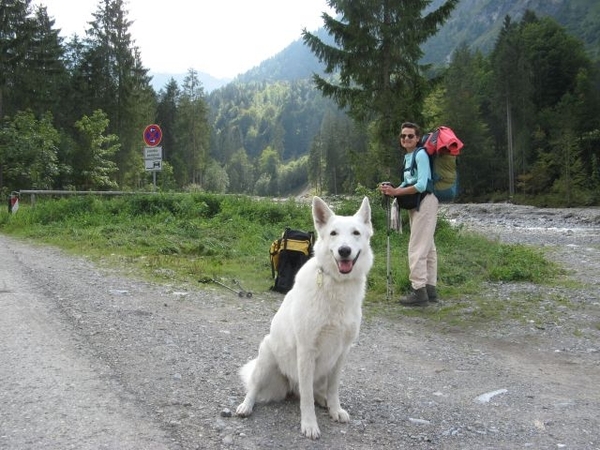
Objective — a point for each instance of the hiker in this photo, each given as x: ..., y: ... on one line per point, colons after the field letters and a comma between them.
x: 422, y: 254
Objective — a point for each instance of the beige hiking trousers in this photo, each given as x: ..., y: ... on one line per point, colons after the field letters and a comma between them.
x: 422, y: 254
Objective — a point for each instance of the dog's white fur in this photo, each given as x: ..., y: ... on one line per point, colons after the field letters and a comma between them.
x: 317, y: 322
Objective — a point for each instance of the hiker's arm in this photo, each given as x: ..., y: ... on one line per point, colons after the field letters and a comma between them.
x: 423, y: 176
x: 400, y: 190
x: 406, y: 190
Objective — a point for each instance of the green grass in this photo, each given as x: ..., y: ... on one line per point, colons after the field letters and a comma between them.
x: 189, y: 237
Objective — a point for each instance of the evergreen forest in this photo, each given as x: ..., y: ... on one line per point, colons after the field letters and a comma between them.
x: 322, y: 115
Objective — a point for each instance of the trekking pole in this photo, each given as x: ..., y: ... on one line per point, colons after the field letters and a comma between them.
x: 388, y: 212
x: 241, y: 293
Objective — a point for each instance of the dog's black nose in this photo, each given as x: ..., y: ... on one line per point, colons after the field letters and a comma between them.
x: 344, y: 251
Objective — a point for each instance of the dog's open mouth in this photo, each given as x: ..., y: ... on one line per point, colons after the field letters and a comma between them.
x: 346, y: 265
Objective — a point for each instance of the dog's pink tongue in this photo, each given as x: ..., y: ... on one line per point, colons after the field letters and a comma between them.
x: 345, y: 266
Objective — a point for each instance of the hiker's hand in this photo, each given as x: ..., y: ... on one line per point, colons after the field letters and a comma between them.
x: 386, y: 188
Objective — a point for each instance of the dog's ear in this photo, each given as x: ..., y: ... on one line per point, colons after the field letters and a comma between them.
x: 364, y: 212
x: 321, y: 212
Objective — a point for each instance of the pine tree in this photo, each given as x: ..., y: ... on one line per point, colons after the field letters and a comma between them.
x: 240, y: 173
x: 16, y: 30
x: 374, y: 63
x: 117, y: 83
x: 460, y: 98
x: 166, y: 115
x: 42, y: 76
x: 190, y: 155
x: 512, y: 100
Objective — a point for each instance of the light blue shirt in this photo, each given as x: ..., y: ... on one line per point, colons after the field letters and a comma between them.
x: 422, y: 173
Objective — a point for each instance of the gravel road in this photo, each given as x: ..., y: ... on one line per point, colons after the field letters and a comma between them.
x: 92, y: 359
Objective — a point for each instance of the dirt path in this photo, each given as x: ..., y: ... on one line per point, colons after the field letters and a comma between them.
x: 90, y: 359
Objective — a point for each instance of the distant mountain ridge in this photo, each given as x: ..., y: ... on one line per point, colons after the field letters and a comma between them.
x: 210, y: 83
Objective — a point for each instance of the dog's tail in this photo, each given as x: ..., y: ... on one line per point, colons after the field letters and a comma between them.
x: 267, y: 385
x: 246, y: 373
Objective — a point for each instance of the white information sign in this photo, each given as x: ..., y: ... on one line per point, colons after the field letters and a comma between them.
x: 152, y: 153
x: 153, y: 165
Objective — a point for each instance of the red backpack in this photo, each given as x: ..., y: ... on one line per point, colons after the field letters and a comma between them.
x: 442, y: 141
x: 443, y: 147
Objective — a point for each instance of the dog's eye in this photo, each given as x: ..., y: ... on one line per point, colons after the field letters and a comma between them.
x: 333, y: 233
x: 356, y: 233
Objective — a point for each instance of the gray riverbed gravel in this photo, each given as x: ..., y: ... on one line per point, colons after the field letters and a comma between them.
x: 91, y: 359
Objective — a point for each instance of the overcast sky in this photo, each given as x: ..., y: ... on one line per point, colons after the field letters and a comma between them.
x: 221, y: 37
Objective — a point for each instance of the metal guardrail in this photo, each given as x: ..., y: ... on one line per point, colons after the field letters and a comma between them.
x: 34, y: 192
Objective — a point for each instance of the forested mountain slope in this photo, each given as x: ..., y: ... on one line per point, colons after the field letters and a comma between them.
x: 477, y: 22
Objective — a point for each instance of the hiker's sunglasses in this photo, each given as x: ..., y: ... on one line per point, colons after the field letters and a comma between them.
x: 407, y: 136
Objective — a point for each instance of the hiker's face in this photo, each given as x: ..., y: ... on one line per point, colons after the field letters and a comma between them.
x: 408, y: 139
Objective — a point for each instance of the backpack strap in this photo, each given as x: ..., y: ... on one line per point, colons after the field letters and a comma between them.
x: 285, y: 237
x: 413, y: 168
x: 274, y: 254
x: 413, y: 162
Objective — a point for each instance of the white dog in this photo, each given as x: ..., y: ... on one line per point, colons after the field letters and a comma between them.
x: 317, y: 322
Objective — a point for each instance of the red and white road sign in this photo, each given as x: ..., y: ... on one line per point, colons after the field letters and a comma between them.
x: 152, y: 135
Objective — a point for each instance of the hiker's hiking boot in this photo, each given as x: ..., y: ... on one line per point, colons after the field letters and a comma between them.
x: 416, y: 297
x: 431, y: 293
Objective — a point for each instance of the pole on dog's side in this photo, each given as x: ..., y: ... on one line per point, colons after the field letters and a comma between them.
x: 388, y: 214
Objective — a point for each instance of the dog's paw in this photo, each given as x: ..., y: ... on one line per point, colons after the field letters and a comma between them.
x: 339, y: 415
x: 243, y: 410
x: 311, y: 429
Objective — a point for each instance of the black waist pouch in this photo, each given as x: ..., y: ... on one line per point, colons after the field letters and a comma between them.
x: 410, y: 201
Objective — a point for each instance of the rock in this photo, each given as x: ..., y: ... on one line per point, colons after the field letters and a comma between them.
x: 419, y: 421
x: 485, y: 398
